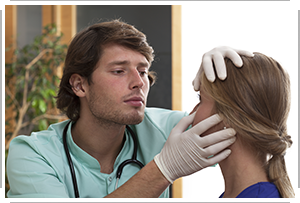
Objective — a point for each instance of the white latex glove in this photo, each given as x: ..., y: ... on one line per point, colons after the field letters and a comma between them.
x: 185, y: 152
x: 216, y: 56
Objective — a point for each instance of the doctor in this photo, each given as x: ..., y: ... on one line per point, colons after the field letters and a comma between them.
x: 104, y: 91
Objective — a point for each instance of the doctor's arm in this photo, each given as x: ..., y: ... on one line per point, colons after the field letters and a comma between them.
x: 149, y: 182
x: 178, y: 158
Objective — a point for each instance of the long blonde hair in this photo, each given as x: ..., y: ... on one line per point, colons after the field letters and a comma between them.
x: 255, y: 101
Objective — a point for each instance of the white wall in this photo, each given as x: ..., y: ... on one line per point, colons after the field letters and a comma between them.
x: 267, y: 27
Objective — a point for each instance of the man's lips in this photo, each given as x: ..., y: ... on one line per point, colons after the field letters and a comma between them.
x: 135, y: 101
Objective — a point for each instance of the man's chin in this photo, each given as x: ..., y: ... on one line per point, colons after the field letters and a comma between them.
x: 135, y: 120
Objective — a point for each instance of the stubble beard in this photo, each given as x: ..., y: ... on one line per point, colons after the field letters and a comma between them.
x: 109, y: 115
x: 117, y: 118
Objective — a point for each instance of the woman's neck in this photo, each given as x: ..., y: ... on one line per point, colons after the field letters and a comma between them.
x: 241, y: 170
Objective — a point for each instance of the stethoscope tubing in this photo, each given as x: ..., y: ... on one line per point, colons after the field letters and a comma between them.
x: 120, y: 168
x: 72, y: 170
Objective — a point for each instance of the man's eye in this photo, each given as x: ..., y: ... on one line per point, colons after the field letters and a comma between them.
x: 118, y: 71
x: 143, y: 73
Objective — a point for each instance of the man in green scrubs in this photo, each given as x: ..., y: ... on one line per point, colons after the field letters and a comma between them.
x: 104, y: 87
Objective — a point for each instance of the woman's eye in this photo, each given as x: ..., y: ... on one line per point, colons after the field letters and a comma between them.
x: 199, y: 96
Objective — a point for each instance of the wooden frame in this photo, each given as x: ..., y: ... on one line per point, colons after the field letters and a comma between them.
x: 64, y: 16
x: 176, y: 78
x: 10, y: 41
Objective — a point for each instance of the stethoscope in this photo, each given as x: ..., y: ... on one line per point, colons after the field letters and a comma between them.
x: 120, y: 168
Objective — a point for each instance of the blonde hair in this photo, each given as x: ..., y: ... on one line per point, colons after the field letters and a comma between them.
x: 255, y: 101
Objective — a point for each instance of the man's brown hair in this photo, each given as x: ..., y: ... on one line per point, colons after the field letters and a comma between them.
x: 85, y: 52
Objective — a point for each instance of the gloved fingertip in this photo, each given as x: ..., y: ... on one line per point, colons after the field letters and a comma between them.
x: 211, y: 78
x: 248, y: 53
x: 232, y: 140
x: 217, y: 117
x: 238, y: 63
x: 227, y: 152
x: 222, y: 76
x: 232, y: 132
x: 193, y: 114
x: 196, y: 85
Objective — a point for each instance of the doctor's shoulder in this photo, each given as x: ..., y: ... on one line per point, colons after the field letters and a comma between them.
x: 44, y: 143
x: 35, y: 158
x: 163, y: 119
x: 42, y: 138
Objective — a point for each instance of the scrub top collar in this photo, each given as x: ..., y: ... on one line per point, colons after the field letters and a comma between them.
x: 90, y: 162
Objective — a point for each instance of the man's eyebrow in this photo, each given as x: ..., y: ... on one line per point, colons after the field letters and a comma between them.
x: 141, y: 64
x: 118, y: 62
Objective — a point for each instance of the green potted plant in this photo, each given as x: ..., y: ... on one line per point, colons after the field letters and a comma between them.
x: 31, y: 83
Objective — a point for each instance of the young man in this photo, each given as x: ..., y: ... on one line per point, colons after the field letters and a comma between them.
x: 104, y: 88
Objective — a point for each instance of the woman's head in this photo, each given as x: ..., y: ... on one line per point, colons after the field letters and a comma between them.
x: 255, y: 101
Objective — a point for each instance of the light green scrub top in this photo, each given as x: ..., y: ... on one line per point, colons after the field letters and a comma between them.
x: 37, y: 165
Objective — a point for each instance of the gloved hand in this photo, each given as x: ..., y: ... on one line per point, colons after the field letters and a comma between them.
x: 216, y: 56
x: 185, y: 152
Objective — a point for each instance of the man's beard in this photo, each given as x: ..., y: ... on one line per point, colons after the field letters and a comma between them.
x: 107, y: 114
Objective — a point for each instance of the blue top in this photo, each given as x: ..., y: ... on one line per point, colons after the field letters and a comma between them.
x: 37, y: 165
x: 259, y: 190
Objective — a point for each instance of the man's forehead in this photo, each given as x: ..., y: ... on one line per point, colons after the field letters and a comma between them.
x: 120, y: 54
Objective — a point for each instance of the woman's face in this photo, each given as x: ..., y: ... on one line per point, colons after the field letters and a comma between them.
x: 204, y: 109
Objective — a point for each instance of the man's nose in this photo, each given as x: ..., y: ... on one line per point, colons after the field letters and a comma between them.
x: 136, y: 80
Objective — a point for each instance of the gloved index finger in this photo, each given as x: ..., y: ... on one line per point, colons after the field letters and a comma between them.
x: 220, y: 66
x: 204, y: 125
x: 234, y: 57
x: 217, y: 137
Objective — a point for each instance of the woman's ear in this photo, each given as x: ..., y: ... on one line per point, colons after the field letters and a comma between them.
x: 77, y: 83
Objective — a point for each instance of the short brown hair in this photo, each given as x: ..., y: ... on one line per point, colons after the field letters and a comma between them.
x: 85, y: 52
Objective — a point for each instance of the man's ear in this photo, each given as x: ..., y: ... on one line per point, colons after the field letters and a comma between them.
x: 77, y: 83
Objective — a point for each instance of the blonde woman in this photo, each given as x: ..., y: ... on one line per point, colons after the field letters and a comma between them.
x: 255, y: 101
